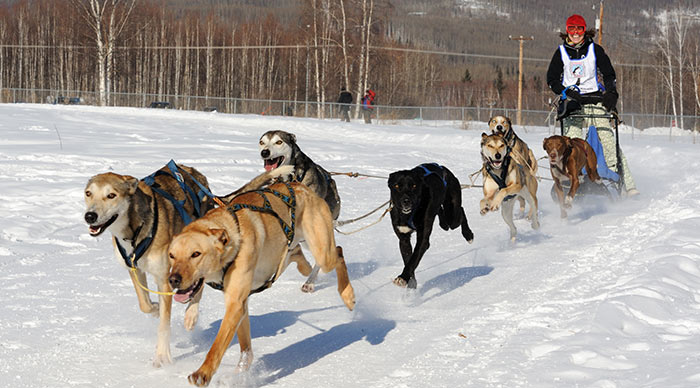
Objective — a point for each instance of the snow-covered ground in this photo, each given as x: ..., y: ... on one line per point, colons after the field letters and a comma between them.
x: 608, y: 298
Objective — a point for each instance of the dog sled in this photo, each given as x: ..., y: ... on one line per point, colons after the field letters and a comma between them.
x: 611, y: 186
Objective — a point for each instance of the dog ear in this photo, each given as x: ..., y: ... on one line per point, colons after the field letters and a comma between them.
x: 392, y: 179
x: 132, y: 184
x: 510, y: 123
x: 220, y: 234
x: 294, y: 137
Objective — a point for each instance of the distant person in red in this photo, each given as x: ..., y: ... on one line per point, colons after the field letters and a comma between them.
x: 368, y: 105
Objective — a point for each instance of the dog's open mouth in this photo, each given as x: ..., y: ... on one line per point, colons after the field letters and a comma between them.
x: 184, y: 296
x: 96, y: 230
x: 496, y: 163
x: 273, y: 163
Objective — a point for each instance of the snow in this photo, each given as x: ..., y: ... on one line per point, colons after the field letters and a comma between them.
x: 609, y: 297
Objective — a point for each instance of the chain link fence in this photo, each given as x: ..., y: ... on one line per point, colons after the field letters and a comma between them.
x: 422, y: 115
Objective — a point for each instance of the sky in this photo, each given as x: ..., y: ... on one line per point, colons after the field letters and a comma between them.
x: 609, y: 297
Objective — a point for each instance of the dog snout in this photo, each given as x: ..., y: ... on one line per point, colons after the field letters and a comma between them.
x: 405, y: 202
x: 499, y: 127
x: 175, y: 280
x: 265, y: 153
x: 498, y: 156
x: 90, y: 217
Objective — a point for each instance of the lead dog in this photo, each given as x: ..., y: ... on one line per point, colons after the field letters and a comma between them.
x: 142, y: 223
x: 520, y: 152
x: 567, y: 157
x: 244, y: 248
x: 505, y: 179
x: 280, y: 148
x: 417, y: 197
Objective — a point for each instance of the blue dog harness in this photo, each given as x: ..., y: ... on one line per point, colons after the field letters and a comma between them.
x: 175, y: 173
x: 428, y: 171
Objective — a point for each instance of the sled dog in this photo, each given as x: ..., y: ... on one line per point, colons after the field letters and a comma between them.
x: 142, y: 222
x: 520, y: 152
x: 567, y: 158
x: 243, y: 248
x: 505, y: 179
x: 279, y: 148
x: 417, y: 197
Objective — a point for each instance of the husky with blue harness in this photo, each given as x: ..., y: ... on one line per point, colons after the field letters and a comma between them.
x: 504, y: 180
x: 243, y: 248
x: 417, y: 197
x: 143, y: 215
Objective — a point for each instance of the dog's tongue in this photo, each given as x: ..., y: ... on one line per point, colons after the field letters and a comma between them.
x: 270, y: 165
x: 182, y: 298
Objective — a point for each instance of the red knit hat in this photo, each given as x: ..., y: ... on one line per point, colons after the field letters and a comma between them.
x: 576, y: 20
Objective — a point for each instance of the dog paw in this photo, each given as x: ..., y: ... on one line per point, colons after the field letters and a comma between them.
x: 199, y: 378
x: 348, y: 296
x: 162, y: 359
x: 568, y: 201
x: 151, y: 309
x: 244, y: 362
x: 399, y: 281
x: 563, y: 213
x: 412, y: 283
x: 484, y: 210
x: 307, y: 288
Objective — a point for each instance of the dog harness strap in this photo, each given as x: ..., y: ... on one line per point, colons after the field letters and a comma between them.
x: 179, y: 205
x: 290, y: 201
x: 175, y: 170
x: 428, y: 171
x: 143, y: 246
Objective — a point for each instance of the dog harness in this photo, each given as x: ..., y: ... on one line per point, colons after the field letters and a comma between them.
x: 428, y: 171
x: 175, y: 173
x: 287, y: 229
x: 500, y: 179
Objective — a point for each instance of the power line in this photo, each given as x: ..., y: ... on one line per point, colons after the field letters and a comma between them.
x: 297, y: 46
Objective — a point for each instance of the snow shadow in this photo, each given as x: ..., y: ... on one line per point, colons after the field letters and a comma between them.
x: 306, y: 352
x: 355, y: 271
x: 266, y: 325
x: 450, y: 281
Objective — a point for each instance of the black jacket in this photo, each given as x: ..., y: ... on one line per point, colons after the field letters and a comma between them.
x: 345, y: 97
x: 556, y: 67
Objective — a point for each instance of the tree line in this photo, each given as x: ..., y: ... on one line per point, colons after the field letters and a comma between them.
x: 141, y: 46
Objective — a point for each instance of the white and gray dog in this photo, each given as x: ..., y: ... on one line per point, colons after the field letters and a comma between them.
x: 279, y: 148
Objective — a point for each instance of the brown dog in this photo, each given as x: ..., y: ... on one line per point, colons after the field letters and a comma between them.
x: 243, y: 248
x: 567, y: 157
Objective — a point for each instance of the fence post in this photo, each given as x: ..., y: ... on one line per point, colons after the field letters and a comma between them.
x: 420, y: 114
x: 235, y: 106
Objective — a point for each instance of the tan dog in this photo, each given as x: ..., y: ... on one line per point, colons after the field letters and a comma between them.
x: 245, y: 247
x: 142, y: 222
x: 567, y: 157
x: 520, y: 152
x: 505, y: 179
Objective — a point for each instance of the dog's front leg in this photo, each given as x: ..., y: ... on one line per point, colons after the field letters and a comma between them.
x: 244, y: 341
x: 512, y: 188
x: 145, y: 304
x: 192, y: 311
x: 560, y: 195
x: 163, y: 345
x: 408, y: 276
x: 237, y: 287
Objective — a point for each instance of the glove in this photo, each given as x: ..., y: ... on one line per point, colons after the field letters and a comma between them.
x: 573, y: 94
x: 610, y: 100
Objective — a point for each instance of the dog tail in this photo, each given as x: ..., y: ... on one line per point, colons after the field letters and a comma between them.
x: 591, y: 163
x: 279, y: 174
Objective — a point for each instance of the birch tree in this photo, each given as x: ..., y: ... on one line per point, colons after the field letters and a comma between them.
x: 106, y: 20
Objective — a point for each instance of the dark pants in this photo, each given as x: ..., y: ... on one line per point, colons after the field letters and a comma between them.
x: 367, y: 114
x: 345, y: 113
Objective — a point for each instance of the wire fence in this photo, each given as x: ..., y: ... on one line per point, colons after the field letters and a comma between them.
x: 385, y: 114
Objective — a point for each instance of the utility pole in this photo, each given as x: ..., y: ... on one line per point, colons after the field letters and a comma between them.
x: 521, y: 39
x: 600, y: 26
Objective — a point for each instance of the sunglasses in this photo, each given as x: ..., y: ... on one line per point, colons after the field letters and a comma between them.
x: 575, y: 29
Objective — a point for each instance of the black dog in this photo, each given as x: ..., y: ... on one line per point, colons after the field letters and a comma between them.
x: 417, y: 196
